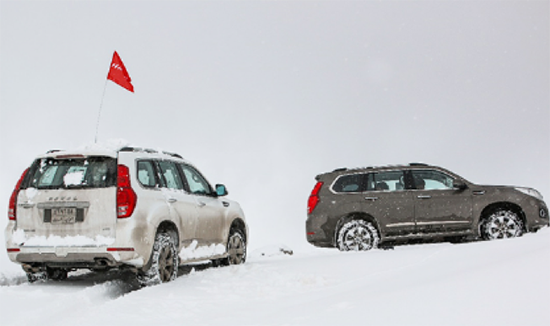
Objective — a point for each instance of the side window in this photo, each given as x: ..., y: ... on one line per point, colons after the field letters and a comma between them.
x: 431, y: 180
x: 349, y: 183
x: 196, y: 182
x: 170, y: 174
x: 387, y: 181
x: 146, y: 174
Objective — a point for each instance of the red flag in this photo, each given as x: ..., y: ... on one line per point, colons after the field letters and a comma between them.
x: 118, y: 73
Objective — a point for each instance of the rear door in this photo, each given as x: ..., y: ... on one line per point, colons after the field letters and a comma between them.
x: 183, y: 206
x: 439, y: 207
x: 390, y: 203
x: 69, y: 200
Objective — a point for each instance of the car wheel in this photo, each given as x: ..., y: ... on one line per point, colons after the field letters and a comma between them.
x: 164, y: 261
x: 501, y: 224
x: 236, y: 248
x: 358, y: 235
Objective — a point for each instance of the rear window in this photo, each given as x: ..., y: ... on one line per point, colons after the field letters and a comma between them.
x: 89, y: 172
x: 349, y: 183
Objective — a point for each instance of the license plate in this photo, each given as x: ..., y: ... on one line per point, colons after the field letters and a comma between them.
x: 66, y: 215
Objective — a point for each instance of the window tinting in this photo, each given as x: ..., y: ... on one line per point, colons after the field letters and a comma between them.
x: 146, y: 173
x: 171, y: 175
x: 91, y: 172
x: 387, y: 181
x: 431, y: 180
x: 349, y: 183
x: 196, y: 182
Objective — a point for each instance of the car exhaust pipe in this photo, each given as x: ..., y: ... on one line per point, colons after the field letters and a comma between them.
x: 28, y: 268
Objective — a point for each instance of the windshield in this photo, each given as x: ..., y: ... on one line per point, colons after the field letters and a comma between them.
x: 90, y: 172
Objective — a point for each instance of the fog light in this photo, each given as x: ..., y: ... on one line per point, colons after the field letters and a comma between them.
x: 542, y: 213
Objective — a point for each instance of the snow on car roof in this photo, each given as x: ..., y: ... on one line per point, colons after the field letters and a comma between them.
x: 109, y: 148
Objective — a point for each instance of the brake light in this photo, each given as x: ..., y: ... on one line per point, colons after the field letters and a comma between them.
x: 314, y: 197
x: 12, y: 208
x: 126, y: 198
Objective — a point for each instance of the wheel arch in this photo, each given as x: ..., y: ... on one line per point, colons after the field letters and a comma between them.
x: 239, y: 224
x: 491, y: 208
x: 169, y: 226
x: 354, y: 216
x: 164, y: 226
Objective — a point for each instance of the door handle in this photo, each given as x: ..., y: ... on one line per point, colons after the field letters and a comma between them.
x: 424, y: 196
x: 371, y: 198
x: 172, y: 200
x: 201, y: 204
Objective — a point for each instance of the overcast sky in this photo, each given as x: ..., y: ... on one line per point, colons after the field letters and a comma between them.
x: 264, y: 95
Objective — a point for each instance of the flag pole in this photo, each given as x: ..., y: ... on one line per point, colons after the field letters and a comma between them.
x: 99, y: 113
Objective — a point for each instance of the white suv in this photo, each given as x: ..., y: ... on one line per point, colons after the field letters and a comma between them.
x: 128, y: 208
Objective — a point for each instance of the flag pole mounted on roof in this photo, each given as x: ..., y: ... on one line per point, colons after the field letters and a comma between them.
x: 119, y: 75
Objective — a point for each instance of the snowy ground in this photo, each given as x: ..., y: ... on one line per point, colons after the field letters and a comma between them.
x: 502, y: 282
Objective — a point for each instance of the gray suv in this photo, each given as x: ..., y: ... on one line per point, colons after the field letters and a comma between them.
x: 359, y: 209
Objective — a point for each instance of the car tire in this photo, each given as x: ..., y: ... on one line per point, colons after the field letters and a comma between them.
x: 235, y: 249
x: 164, y: 261
x: 357, y: 235
x: 501, y: 224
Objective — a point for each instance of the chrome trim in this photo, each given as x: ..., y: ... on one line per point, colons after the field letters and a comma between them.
x: 425, y: 223
x: 393, y: 225
x: 428, y: 235
x: 443, y: 222
x: 61, y: 204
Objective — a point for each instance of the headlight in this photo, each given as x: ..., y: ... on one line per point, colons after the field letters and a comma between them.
x: 531, y: 192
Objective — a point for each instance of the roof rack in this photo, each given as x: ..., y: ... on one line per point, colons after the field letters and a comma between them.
x: 340, y: 169
x: 147, y: 150
x: 173, y: 154
x: 418, y: 164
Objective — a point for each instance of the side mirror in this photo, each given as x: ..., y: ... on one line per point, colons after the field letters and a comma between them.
x: 459, y: 184
x: 221, y: 190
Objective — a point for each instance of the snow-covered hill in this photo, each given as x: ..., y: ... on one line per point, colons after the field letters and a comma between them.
x: 502, y: 282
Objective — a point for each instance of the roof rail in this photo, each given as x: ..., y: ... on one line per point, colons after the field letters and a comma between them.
x: 147, y: 150
x: 53, y: 151
x: 137, y: 149
x: 173, y: 154
x: 418, y: 164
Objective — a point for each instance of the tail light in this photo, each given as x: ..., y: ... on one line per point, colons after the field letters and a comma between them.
x: 126, y: 198
x: 314, y: 197
x: 12, y: 208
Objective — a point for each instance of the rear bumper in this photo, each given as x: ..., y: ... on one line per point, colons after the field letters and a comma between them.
x: 74, y: 257
x: 315, y: 234
x: 82, y: 253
